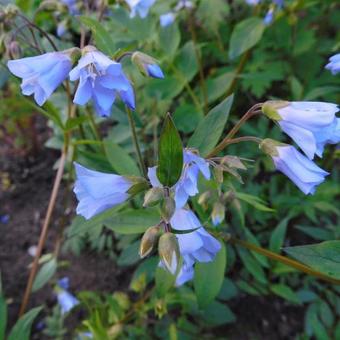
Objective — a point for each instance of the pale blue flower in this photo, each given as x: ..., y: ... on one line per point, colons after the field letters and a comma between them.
x: 64, y: 283
x: 61, y: 28
x: 153, y: 70
x: 167, y: 19
x: 334, y: 64
x: 140, y: 7
x: 253, y: 2
x: 101, y: 79
x: 268, y: 19
x: 187, y: 184
x: 66, y: 301
x: 304, y: 173
x: 72, y: 6
x: 97, y: 191
x: 310, y: 124
x: 42, y: 74
x: 181, y: 4
x: 196, y: 246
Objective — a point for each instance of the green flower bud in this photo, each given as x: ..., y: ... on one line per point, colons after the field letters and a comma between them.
x: 122, y: 300
x: 14, y: 50
x: 141, y: 60
x: 168, y: 207
x: 218, y: 173
x: 168, y: 249
x: 148, y: 241
x: 218, y: 212
x: 269, y: 147
x: 270, y: 108
x: 153, y: 196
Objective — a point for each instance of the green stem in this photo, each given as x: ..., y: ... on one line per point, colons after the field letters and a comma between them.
x: 187, y: 87
x: 283, y: 259
x: 135, y: 142
x: 250, y: 113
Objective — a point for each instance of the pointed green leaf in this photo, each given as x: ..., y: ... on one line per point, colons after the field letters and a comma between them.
x: 209, y: 278
x: 101, y: 36
x: 278, y: 235
x: 120, y: 160
x: 246, y: 34
x: 45, y: 273
x: 170, y: 154
x: 22, y: 329
x: 164, y: 281
x: 323, y: 257
x: 211, y: 127
x: 285, y: 292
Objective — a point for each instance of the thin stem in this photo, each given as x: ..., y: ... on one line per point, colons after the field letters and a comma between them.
x: 199, y: 61
x: 44, y: 230
x: 41, y: 31
x: 188, y: 87
x: 283, y: 259
x: 135, y: 142
x: 250, y: 113
x: 239, y: 70
x: 47, y: 220
x: 243, y: 139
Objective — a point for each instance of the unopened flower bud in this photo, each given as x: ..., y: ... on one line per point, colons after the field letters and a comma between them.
x: 153, y: 196
x: 203, y: 198
x: 148, y: 241
x: 169, y: 254
x: 52, y: 5
x: 14, y: 50
x: 229, y: 196
x: 270, y: 108
x: 147, y: 65
x: 168, y: 207
x: 218, y: 212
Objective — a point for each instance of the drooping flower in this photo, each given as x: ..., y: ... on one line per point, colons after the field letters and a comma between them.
x: 253, y: 2
x: 311, y: 125
x: 167, y: 19
x: 97, y: 191
x: 140, y: 7
x: 218, y: 213
x: 101, y: 79
x: 65, y: 299
x: 187, y: 184
x: 304, y: 173
x: 42, y: 74
x: 334, y: 64
x: 147, y: 65
x: 182, y: 4
x: 195, y: 246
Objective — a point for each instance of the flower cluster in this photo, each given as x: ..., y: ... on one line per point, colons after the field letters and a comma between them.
x: 311, y: 125
x: 65, y: 299
x: 98, y: 191
x: 99, y: 78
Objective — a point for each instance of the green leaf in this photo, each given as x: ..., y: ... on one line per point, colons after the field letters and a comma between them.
x: 22, y: 329
x: 323, y: 257
x: 218, y: 86
x: 186, y: 61
x: 45, y: 273
x: 74, y: 122
x: 129, y: 255
x: 133, y: 221
x: 209, y: 278
x: 170, y: 154
x: 217, y: 314
x: 256, y: 202
x: 3, y: 316
x: 252, y: 266
x: 164, y: 281
x: 101, y: 36
x: 246, y: 35
x: 120, y: 160
x: 228, y: 290
x: 278, y: 235
x: 169, y: 39
x: 320, y: 234
x: 211, y: 127
x: 285, y: 292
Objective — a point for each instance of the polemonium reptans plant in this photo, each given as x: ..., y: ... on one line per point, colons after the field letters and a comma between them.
x: 334, y: 64
x: 144, y: 141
